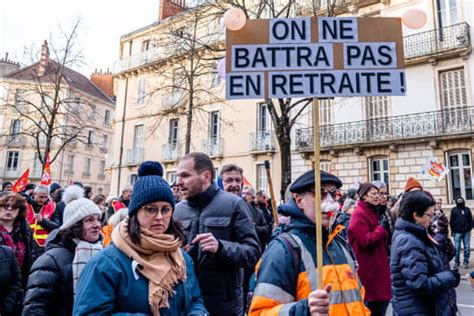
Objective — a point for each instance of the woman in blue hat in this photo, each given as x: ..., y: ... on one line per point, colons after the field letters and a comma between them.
x: 144, y: 271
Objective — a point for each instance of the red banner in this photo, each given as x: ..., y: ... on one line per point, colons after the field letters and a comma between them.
x: 46, y: 177
x: 21, y: 183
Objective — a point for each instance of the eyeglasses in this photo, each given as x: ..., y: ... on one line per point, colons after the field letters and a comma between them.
x: 151, y: 211
x: 334, y: 193
x: 229, y: 180
x: 430, y: 215
x: 6, y: 207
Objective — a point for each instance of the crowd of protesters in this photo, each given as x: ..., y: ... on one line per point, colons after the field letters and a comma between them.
x: 211, y: 246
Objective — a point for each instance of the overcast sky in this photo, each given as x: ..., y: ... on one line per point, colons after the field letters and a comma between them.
x: 24, y: 23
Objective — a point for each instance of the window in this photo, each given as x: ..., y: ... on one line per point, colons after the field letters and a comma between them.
x: 325, y: 165
x: 19, y: 96
x: 452, y: 88
x: 262, y: 183
x: 87, y: 167
x: 216, y: 173
x: 460, y: 175
x: 145, y: 45
x: 69, y: 165
x: 447, y: 12
x: 173, y: 132
x: 132, y: 179
x: 377, y: 107
x: 141, y: 94
x: 12, y: 160
x: 15, y: 128
x: 379, y: 170
x: 325, y: 112
x: 138, y: 137
x: 171, y: 177
x: 90, y: 138
x: 105, y: 141
x: 214, y: 125
x: 107, y: 117
x: 264, y: 122
x: 102, y: 168
x: 36, y: 165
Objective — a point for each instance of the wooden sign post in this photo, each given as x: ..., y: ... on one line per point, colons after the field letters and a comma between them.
x: 317, y: 192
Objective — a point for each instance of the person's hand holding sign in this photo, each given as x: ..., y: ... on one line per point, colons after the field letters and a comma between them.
x: 207, y: 241
x: 318, y: 301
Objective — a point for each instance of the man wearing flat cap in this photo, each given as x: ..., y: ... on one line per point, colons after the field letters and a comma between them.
x: 287, y: 278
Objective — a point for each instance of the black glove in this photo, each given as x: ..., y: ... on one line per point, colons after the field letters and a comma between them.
x: 457, y: 276
x: 383, y: 221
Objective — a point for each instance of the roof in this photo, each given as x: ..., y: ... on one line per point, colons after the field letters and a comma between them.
x: 73, y: 78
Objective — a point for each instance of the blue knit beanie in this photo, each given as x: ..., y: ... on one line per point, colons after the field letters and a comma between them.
x: 150, y: 187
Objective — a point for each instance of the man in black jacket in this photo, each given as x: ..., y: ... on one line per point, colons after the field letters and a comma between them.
x: 460, y: 222
x: 219, y: 233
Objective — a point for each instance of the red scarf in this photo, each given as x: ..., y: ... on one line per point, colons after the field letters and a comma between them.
x: 18, y: 247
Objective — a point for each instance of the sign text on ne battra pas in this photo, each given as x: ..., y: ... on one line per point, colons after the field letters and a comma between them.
x: 315, y: 57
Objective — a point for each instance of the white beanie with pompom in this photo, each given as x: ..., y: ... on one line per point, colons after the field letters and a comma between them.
x: 77, y: 207
x: 71, y: 193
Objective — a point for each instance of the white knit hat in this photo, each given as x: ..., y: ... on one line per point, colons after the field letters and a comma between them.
x: 77, y: 207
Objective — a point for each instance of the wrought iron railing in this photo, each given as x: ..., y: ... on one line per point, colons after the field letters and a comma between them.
x: 262, y: 141
x: 14, y: 141
x: 437, y: 41
x: 212, y: 146
x: 172, y: 99
x: 35, y: 173
x: 12, y: 173
x: 428, y: 124
x: 134, y: 156
x: 170, y: 151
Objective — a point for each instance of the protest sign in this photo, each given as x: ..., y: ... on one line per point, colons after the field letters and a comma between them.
x: 315, y: 57
x: 434, y: 170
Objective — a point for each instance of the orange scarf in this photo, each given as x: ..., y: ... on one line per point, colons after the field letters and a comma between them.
x: 160, y: 259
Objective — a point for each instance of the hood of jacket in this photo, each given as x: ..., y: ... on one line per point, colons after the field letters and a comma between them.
x: 56, y: 240
x: 460, y: 202
x: 413, y: 228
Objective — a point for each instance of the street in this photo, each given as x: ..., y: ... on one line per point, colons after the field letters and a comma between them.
x: 465, y: 297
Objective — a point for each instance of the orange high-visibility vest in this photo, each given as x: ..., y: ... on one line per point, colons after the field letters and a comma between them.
x: 39, y: 233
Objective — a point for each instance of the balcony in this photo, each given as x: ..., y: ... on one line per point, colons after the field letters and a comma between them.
x: 14, y: 141
x: 172, y: 100
x: 86, y: 174
x: 134, y: 156
x: 101, y: 176
x: 170, y: 152
x: 449, y: 40
x: 103, y: 149
x: 12, y: 173
x: 341, y: 6
x: 68, y: 172
x: 435, y: 124
x: 212, y: 147
x: 263, y: 141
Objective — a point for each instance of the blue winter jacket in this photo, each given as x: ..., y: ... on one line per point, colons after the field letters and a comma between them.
x: 419, y: 284
x: 108, y: 286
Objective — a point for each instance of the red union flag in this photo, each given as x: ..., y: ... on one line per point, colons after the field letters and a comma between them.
x: 21, y: 183
x: 46, y: 177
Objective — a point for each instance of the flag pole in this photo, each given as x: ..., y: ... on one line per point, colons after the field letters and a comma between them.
x: 317, y: 191
x: 272, y: 193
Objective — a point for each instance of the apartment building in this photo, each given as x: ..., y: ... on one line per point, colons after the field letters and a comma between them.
x: 25, y: 92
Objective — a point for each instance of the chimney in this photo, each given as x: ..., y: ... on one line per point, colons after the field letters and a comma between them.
x: 44, y: 60
x: 104, y: 81
x: 170, y: 7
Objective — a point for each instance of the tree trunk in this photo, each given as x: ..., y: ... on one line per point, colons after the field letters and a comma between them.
x: 285, y: 156
x: 189, y: 124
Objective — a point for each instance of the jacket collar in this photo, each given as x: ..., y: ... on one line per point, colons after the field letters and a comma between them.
x: 413, y: 228
x: 202, y: 199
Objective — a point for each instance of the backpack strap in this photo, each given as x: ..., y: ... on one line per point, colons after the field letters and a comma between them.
x: 298, y: 250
